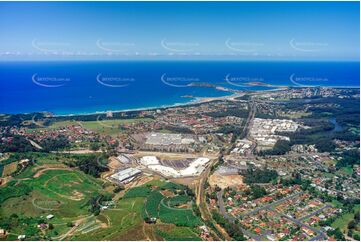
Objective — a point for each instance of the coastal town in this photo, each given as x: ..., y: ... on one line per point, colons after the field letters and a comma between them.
x: 180, y: 120
x: 276, y: 165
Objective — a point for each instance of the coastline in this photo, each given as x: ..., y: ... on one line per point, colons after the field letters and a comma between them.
x: 193, y: 101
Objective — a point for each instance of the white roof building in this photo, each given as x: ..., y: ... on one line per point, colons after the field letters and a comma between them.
x: 149, y: 160
x: 125, y: 174
x: 123, y: 159
x: 21, y: 237
x: 165, y: 170
x: 196, y: 167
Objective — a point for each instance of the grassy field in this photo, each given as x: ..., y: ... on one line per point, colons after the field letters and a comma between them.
x: 297, y: 115
x: 50, y: 158
x: 152, y: 204
x: 7, y: 166
x: 50, y: 187
x: 347, y: 170
x: 342, y: 222
x: 178, y: 200
x: 106, y: 127
x: 123, y: 217
x: 162, y: 207
x: 60, y: 192
x: 110, y: 127
x: 138, y: 192
x: 178, y: 234
x: 179, y: 217
x: 182, y: 221
x: 27, y: 173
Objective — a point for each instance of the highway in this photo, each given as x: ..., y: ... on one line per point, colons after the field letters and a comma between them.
x: 245, y: 131
x: 202, y: 204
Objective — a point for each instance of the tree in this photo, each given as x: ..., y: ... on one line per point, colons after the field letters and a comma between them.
x: 349, y: 158
x: 356, y: 237
x: 255, y: 175
x: 92, y: 164
x: 338, y: 234
x: 258, y: 191
x: 351, y: 224
x: 94, y: 146
x: 52, y: 144
x: 15, y: 144
x: 118, y: 189
x: 280, y: 148
x: 325, y: 145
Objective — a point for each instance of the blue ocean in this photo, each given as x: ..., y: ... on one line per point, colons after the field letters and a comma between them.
x: 93, y: 86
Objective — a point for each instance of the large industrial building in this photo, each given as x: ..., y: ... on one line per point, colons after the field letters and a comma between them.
x: 123, y: 159
x: 169, y: 142
x: 125, y: 176
x: 149, y: 160
x: 168, y: 139
x: 194, y: 168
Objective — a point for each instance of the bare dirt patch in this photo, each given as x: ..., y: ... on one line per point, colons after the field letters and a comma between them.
x: 188, y: 181
x: 114, y: 163
x: 4, y: 180
x: 224, y: 181
x: 167, y: 193
x: 139, y: 181
x: 9, y: 169
x: 77, y: 195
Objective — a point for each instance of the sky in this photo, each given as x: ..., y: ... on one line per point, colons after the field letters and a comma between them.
x: 180, y: 30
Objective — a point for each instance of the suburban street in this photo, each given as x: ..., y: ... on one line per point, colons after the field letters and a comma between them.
x: 319, y: 233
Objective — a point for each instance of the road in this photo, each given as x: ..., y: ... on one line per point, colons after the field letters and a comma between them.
x: 250, y: 118
x: 247, y: 125
x: 244, y: 133
x: 201, y: 201
x: 315, y: 212
x: 320, y: 234
x: 270, y: 205
x: 232, y: 219
x: 36, y: 145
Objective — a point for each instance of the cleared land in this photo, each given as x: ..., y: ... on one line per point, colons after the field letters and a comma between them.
x: 107, y: 126
x: 9, y: 169
x: 224, y: 181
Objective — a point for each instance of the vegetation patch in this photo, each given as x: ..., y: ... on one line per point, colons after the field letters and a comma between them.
x: 16, y: 190
x: 179, y: 217
x: 125, y: 216
x: 152, y: 204
x: 178, y: 200
x: 137, y: 192
x: 178, y: 234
